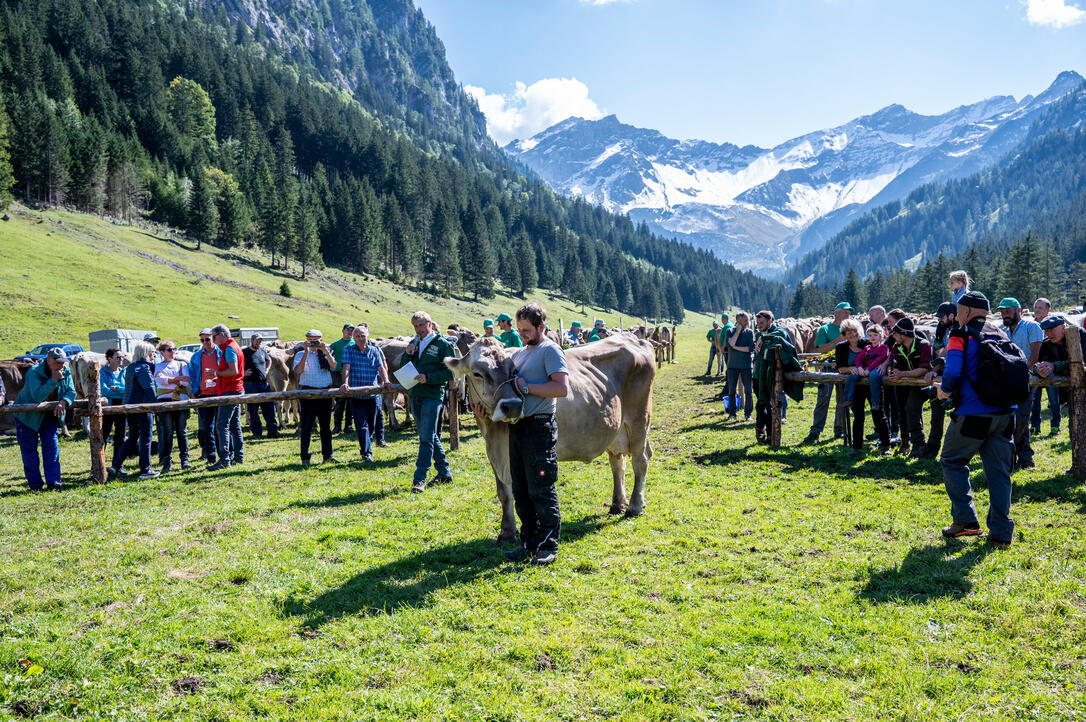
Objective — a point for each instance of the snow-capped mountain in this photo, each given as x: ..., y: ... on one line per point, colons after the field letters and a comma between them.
x: 764, y: 208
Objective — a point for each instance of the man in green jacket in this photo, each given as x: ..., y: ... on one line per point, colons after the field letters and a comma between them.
x: 770, y: 337
x: 726, y: 327
x: 509, y: 336
x: 49, y: 380
x: 428, y: 351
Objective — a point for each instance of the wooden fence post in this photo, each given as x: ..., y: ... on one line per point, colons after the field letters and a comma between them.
x: 454, y: 417
x: 94, y: 418
x: 775, y: 401
x: 1077, y: 406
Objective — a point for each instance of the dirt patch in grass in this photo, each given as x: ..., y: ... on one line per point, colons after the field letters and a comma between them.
x: 545, y: 663
x: 188, y: 685
x: 187, y: 575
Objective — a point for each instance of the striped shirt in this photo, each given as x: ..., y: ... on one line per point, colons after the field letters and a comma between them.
x: 311, y: 374
x: 364, y: 364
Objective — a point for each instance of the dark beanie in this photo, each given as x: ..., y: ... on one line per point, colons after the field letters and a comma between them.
x: 905, y: 327
x: 975, y: 299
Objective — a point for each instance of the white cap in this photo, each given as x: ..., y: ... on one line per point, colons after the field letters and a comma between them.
x: 599, y: 322
x: 313, y: 332
x: 204, y: 332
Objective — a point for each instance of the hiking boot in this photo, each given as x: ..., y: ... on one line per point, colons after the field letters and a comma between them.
x: 958, y: 529
x: 306, y: 463
x: 418, y: 487
x: 219, y: 466
x: 112, y: 473
x: 167, y: 467
x: 382, y: 443
x: 542, y: 558
x: 997, y: 543
x: 331, y: 460
x: 185, y: 465
x: 516, y: 555
x: 149, y: 474
x: 441, y: 480
x: 919, y: 452
x: 368, y: 458
x: 274, y: 435
x: 810, y: 439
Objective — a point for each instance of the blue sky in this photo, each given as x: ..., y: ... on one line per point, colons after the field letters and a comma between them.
x: 756, y: 72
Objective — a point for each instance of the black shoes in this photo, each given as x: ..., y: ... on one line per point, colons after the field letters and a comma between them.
x: 542, y: 559
x: 516, y: 555
x: 441, y: 480
x: 382, y: 443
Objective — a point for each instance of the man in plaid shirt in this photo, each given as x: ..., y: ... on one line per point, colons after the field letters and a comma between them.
x: 364, y: 365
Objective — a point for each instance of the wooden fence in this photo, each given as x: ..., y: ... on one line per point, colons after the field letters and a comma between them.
x: 1076, y: 406
x: 95, y: 408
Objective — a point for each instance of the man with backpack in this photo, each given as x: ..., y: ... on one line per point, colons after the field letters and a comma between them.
x: 985, y: 373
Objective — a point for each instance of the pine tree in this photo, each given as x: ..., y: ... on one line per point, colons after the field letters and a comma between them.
x: 7, y: 174
x: 305, y: 230
x: 851, y: 290
x: 524, y: 255
x: 203, y: 218
x: 445, y: 259
x: 476, y: 255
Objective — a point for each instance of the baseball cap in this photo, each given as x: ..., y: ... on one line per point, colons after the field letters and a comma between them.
x: 152, y: 337
x: 313, y: 332
x: 1053, y: 321
x: 1009, y: 303
x: 599, y: 322
x: 204, y: 332
x: 843, y: 306
x: 348, y: 325
x: 575, y: 324
x: 505, y: 317
x: 945, y: 309
x: 488, y: 323
x: 258, y: 335
x: 57, y: 354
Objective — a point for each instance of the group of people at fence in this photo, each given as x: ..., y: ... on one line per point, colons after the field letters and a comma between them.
x: 221, y: 367
x: 972, y: 371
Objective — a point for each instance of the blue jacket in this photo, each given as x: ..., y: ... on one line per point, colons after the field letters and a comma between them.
x: 962, y: 360
x: 196, y: 374
x: 111, y: 384
x: 139, y: 382
x: 39, y: 386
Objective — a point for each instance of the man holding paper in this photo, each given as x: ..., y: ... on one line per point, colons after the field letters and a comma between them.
x: 427, y: 353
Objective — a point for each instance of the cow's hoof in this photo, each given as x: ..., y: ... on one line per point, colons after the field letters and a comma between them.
x: 505, y: 539
x: 633, y: 511
x: 616, y: 509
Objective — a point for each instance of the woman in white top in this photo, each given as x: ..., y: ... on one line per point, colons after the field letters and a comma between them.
x: 172, y: 381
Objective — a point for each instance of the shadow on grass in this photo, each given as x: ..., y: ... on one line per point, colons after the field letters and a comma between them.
x: 412, y: 581
x: 830, y: 457
x: 928, y: 573
x: 1062, y: 487
x: 362, y: 497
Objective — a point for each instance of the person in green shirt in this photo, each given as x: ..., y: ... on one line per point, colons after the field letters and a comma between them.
x: 509, y: 337
x: 713, y: 337
x: 336, y: 347
x: 828, y: 336
x: 722, y: 343
x: 599, y: 331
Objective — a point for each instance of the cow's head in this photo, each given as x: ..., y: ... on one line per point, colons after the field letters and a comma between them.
x: 490, y: 378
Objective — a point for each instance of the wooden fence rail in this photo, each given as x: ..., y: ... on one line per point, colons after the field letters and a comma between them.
x: 95, y: 408
x: 1076, y: 406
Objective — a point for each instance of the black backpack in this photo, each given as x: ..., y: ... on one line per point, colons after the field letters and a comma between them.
x: 1002, y: 372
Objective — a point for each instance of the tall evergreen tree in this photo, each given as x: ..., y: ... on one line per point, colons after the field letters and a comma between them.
x: 203, y: 218
x: 7, y: 174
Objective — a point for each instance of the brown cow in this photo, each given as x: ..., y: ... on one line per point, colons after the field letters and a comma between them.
x: 609, y: 409
x: 12, y: 373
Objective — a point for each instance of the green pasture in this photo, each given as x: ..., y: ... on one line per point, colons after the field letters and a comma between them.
x: 798, y: 583
x: 67, y: 274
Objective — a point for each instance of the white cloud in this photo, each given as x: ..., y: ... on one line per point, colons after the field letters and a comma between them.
x: 532, y: 108
x: 1057, y: 13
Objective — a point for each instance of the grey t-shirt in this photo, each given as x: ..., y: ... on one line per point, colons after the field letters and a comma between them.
x: 535, y: 364
x: 741, y: 359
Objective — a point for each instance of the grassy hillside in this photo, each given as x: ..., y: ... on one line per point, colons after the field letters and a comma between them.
x: 67, y: 274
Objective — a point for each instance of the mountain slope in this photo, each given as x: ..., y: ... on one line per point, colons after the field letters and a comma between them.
x: 177, y: 111
x: 763, y: 208
x: 1044, y: 175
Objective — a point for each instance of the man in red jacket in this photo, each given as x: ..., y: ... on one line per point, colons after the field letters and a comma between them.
x: 230, y: 376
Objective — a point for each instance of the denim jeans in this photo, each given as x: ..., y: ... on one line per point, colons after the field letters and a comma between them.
x: 1053, y: 406
x: 874, y: 379
x: 171, y: 424
x: 228, y: 440
x: 364, y: 411
x: 28, y: 440
x: 205, y: 432
x: 267, y: 409
x: 427, y: 413
x: 990, y: 436
x: 712, y: 357
x: 139, y: 439
x: 733, y: 398
x: 1023, y: 451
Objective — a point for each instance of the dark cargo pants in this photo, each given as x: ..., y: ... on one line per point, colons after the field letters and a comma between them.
x: 533, y: 464
x: 990, y: 435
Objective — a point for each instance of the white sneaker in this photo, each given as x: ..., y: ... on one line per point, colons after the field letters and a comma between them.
x: 149, y: 475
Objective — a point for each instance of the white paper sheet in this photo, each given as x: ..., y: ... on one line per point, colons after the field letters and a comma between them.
x: 406, y: 375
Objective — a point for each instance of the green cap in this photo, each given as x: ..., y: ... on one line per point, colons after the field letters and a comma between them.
x: 723, y: 317
x: 1009, y: 303
x: 505, y: 317
x: 843, y: 306
x: 488, y: 323
x: 575, y: 324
